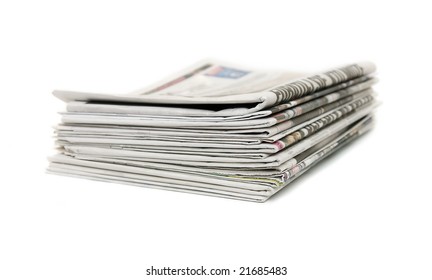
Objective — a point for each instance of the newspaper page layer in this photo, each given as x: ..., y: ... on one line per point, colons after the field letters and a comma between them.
x: 219, y: 89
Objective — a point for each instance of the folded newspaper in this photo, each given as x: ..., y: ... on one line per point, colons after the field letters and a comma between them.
x: 215, y: 129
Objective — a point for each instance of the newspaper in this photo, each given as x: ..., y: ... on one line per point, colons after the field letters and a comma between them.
x: 128, y: 119
x: 215, y: 129
x: 267, y: 161
x: 226, y: 137
x: 214, y: 148
x: 200, y: 169
x: 257, y: 189
x: 218, y: 89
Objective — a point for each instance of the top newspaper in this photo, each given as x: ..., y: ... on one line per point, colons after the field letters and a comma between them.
x: 220, y: 91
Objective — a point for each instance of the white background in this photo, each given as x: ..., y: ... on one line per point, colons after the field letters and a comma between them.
x: 364, y: 214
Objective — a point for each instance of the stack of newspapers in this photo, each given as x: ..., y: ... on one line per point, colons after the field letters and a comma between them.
x: 215, y: 129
